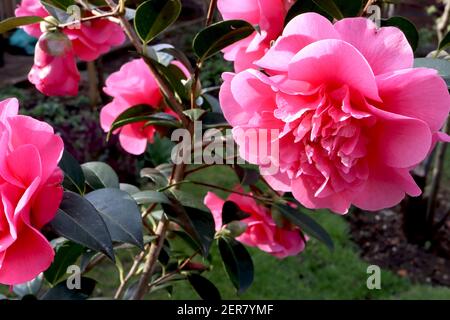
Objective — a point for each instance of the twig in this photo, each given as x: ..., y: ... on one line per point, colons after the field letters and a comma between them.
x: 133, y: 269
x: 198, y: 65
x: 216, y: 187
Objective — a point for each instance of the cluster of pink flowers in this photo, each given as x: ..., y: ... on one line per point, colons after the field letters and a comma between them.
x: 54, y: 72
x: 30, y: 192
x: 353, y: 115
x: 261, y: 230
x: 133, y: 85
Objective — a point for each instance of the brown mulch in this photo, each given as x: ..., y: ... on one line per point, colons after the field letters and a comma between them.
x: 382, y: 242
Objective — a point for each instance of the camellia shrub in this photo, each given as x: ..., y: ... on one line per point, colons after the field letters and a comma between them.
x: 326, y: 108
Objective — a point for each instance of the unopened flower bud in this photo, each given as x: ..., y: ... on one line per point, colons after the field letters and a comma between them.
x: 55, y: 43
x: 236, y: 228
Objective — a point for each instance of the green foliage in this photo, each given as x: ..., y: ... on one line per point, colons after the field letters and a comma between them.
x: 15, y: 22
x: 154, y: 16
x: 220, y: 35
x: 406, y: 26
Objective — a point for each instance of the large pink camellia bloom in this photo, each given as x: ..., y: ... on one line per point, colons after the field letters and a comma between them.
x: 262, y: 232
x: 91, y: 40
x: 132, y: 85
x: 269, y: 15
x: 30, y: 192
x: 55, y: 72
x: 354, y: 116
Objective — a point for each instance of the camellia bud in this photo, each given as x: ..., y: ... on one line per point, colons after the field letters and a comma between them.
x: 55, y: 43
x: 50, y: 23
x: 236, y: 228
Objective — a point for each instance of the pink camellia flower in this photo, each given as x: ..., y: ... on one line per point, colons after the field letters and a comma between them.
x: 262, y: 232
x: 354, y: 116
x: 92, y: 39
x: 269, y: 15
x: 30, y: 192
x: 132, y: 85
x: 55, y: 72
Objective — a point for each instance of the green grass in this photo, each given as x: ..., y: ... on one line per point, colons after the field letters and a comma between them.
x: 316, y: 273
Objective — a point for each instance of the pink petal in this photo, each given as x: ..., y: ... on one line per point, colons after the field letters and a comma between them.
x: 132, y: 141
x: 26, y: 258
x: 334, y: 62
x: 214, y: 204
x: 386, y: 49
x: 312, y: 25
x: 417, y: 93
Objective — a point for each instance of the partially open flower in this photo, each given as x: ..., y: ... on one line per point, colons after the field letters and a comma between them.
x: 259, y: 230
x: 55, y: 72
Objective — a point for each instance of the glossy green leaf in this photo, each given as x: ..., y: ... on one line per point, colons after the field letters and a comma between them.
x: 238, y: 263
x: 330, y: 7
x: 62, y: 292
x: 148, y: 197
x: 350, y: 8
x: 406, y: 26
x: 247, y: 176
x: 66, y: 255
x: 205, y: 288
x: 303, y: 6
x: 197, y: 223
x: 100, y: 175
x: 154, y: 16
x: 442, y: 66
x: 15, y: 22
x: 79, y: 221
x: 231, y: 212
x: 120, y: 213
x: 60, y: 4
x: 74, y: 179
x: 129, y: 188
x: 306, y: 224
x: 220, y: 35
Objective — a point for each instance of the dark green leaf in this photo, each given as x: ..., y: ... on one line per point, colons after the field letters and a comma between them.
x: 350, y: 8
x: 214, y: 120
x: 220, y: 35
x: 445, y: 43
x: 197, y: 223
x: 15, y: 22
x: 62, y: 292
x: 60, y: 4
x: 205, y: 288
x: 441, y: 65
x: 120, y: 213
x: 231, y: 212
x: 174, y: 76
x: 148, y: 197
x: 129, y: 188
x: 406, y: 26
x: 303, y: 6
x: 330, y: 7
x: 306, y: 224
x: 79, y: 221
x: 143, y: 113
x: 99, y: 175
x: 154, y: 16
x: 59, y: 10
x: 66, y: 255
x: 175, y: 53
x: 73, y: 174
x: 238, y: 263
x: 159, y: 179
x: 247, y: 176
